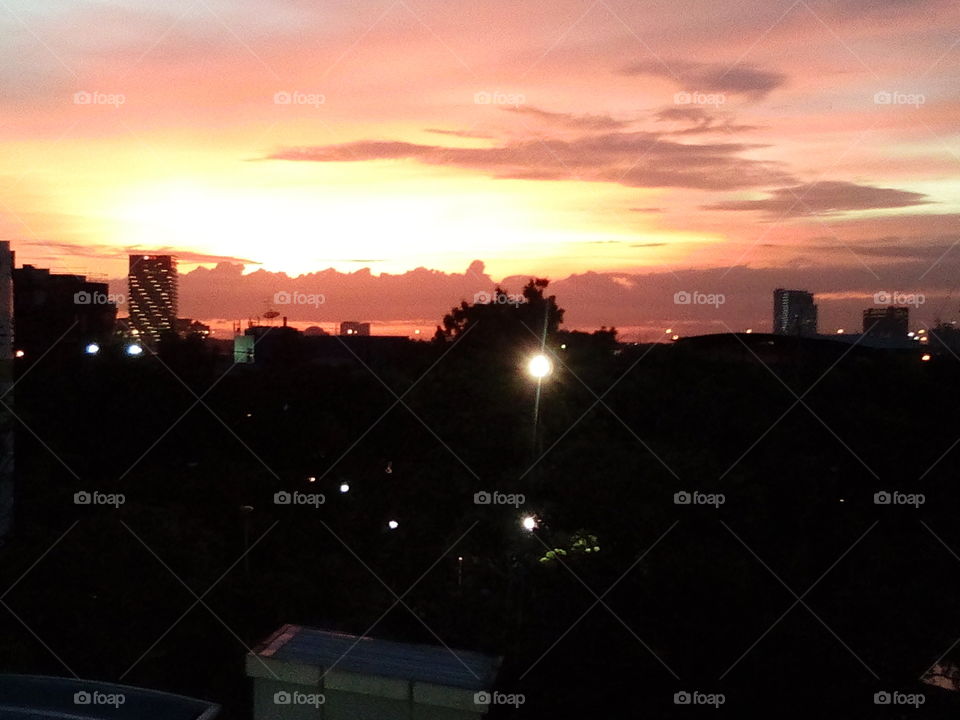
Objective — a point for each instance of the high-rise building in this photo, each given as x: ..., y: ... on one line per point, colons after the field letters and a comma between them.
x: 794, y: 312
x: 889, y: 323
x: 153, y: 296
x: 6, y: 385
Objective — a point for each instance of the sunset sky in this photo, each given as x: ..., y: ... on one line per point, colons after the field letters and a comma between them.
x: 625, y: 150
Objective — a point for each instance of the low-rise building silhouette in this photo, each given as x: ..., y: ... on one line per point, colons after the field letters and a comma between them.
x: 889, y: 323
x: 57, y: 313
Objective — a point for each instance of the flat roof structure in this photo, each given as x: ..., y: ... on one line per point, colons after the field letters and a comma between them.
x: 352, y: 675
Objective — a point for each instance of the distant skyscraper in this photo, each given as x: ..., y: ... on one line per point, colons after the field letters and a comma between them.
x: 153, y: 295
x: 6, y: 385
x: 794, y: 312
x: 889, y: 323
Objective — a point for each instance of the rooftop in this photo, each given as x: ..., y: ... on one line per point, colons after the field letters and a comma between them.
x: 353, y: 653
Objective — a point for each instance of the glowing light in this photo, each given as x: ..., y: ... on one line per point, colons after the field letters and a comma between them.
x: 344, y: 487
x: 311, y: 479
x: 393, y: 524
x: 529, y: 523
x: 134, y: 350
x: 19, y: 353
x: 675, y: 337
x: 925, y: 357
x: 92, y: 349
x: 749, y: 331
x: 539, y: 366
x: 840, y: 331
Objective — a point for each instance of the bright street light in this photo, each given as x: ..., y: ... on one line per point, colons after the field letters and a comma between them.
x: 539, y: 366
x: 529, y: 523
x: 134, y: 350
x: 92, y: 349
x: 344, y: 487
x: 393, y: 524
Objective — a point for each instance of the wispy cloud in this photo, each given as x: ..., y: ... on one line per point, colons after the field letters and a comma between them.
x: 825, y: 198
x: 746, y: 80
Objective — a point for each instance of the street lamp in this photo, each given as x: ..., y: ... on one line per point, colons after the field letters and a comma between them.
x: 92, y: 349
x: 134, y: 350
x: 539, y: 366
x: 529, y: 523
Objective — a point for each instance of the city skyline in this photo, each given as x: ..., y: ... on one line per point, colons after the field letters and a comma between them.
x: 594, y: 140
x: 452, y: 359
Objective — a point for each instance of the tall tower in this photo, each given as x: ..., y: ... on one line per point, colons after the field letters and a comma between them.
x: 152, y: 301
x: 794, y: 312
x: 6, y: 385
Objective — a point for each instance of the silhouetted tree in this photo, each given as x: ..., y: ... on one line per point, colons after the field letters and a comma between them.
x: 505, y: 319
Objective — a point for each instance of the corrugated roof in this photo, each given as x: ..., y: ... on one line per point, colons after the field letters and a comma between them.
x: 353, y: 653
x: 34, y: 697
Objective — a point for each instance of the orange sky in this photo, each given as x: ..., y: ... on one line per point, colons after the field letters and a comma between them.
x: 548, y: 138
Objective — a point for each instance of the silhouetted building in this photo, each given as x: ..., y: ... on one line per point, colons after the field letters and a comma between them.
x: 152, y: 282
x: 794, y: 313
x: 354, y: 328
x: 945, y: 336
x: 57, y: 313
x: 890, y: 323
x: 287, y: 346
x: 6, y: 386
